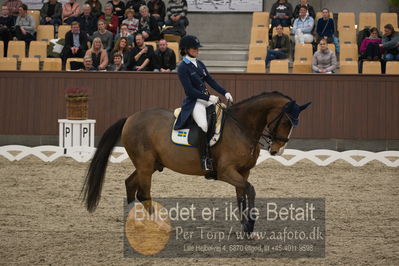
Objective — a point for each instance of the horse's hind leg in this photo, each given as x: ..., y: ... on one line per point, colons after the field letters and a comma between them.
x: 131, y: 187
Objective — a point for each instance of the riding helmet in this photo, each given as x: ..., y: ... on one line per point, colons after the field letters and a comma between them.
x: 189, y: 41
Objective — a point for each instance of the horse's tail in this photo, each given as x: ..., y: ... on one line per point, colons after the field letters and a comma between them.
x: 95, y: 175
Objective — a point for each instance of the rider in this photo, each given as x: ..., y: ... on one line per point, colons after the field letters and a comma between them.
x: 193, y: 75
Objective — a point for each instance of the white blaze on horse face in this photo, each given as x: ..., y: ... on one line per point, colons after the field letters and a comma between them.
x: 281, y: 150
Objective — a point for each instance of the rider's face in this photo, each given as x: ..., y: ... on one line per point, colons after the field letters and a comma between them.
x: 193, y: 52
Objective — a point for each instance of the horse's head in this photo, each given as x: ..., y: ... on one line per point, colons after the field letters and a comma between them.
x: 280, y: 123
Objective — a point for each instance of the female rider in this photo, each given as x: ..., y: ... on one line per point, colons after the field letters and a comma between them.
x: 193, y: 75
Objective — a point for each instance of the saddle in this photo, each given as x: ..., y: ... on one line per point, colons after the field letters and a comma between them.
x: 188, y: 136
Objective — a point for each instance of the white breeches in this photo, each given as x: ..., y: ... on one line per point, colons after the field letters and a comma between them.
x: 199, y: 114
x: 303, y: 37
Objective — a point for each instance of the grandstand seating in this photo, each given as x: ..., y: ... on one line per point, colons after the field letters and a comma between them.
x: 256, y: 66
x: 330, y: 46
x: 36, y: 16
x: 45, y: 33
x: 257, y: 52
x: 52, y: 64
x: 1, y: 49
x: 175, y: 47
x: 388, y: 18
x: 279, y: 66
x: 259, y: 36
x: 348, y: 67
x: 346, y: 20
x: 303, y: 52
x: 371, y: 67
x: 38, y: 49
x: 153, y: 44
x: 73, y: 59
x: 392, y: 68
x: 348, y: 52
x: 30, y: 64
x: 172, y: 38
x: 347, y: 36
x: 302, y: 66
x: 367, y: 20
x: 8, y: 63
x: 16, y: 49
x: 286, y: 30
x: 260, y: 19
x: 62, y: 30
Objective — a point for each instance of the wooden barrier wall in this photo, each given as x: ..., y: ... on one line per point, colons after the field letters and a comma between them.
x: 344, y: 106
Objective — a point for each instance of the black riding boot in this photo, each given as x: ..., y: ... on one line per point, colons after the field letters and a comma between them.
x: 203, y: 147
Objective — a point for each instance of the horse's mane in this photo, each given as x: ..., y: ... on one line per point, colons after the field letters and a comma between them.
x: 261, y: 95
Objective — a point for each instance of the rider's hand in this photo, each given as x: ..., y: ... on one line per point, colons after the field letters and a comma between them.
x: 229, y: 97
x: 213, y: 99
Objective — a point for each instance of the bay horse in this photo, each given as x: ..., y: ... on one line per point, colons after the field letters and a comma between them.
x: 146, y: 138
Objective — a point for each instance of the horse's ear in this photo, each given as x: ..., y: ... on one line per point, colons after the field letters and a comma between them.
x: 290, y: 105
x: 303, y: 107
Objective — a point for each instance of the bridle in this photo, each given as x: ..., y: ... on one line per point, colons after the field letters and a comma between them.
x: 269, y: 136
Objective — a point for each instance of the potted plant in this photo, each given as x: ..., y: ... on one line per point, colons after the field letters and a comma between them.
x: 77, y: 99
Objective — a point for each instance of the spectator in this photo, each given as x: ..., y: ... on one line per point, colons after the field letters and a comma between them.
x: 98, y: 54
x: 51, y: 13
x: 88, y: 64
x: 110, y: 20
x: 70, y: 12
x: 119, y: 9
x: 6, y: 25
x: 148, y: 26
x: 176, y: 13
x: 117, y: 64
x: 325, y: 27
x: 303, y: 26
x: 13, y: 7
x: 124, y: 32
x: 310, y: 9
x: 135, y: 5
x: 280, y: 46
x: 96, y: 8
x: 104, y: 34
x: 281, y: 13
x: 390, y: 43
x: 87, y: 22
x: 121, y: 47
x: 370, y: 48
x: 141, y: 55
x: 157, y: 10
x: 164, y: 58
x: 75, y: 42
x: 131, y: 22
x: 25, y: 27
x: 324, y: 61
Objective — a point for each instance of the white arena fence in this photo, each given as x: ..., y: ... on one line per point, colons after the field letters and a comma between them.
x: 290, y: 157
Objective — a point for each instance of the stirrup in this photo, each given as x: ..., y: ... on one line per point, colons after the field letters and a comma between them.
x: 207, y: 164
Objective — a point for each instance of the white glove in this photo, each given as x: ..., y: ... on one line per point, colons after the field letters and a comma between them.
x: 213, y: 99
x: 229, y: 97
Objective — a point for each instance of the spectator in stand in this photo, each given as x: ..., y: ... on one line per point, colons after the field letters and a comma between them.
x: 177, y: 13
x: 131, y: 22
x: 164, y: 58
x: 96, y: 8
x: 370, y: 48
x: 70, y: 12
x: 51, y: 13
x: 6, y: 25
x: 280, y: 46
x: 111, y: 21
x: 148, y: 26
x: 117, y: 64
x: 325, y: 27
x: 75, y: 43
x: 122, y: 48
x: 310, y: 9
x: 281, y: 13
x: 303, y: 27
x: 87, y: 22
x: 135, y: 5
x: 157, y: 10
x: 98, y: 54
x: 124, y: 32
x: 119, y: 9
x: 25, y: 27
x: 390, y: 43
x: 13, y: 7
x: 104, y: 34
x: 88, y: 64
x: 141, y: 55
x: 324, y: 61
